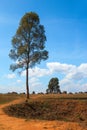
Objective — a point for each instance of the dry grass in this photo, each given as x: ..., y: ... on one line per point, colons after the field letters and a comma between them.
x: 44, y: 101
x: 5, y: 98
x: 71, y: 108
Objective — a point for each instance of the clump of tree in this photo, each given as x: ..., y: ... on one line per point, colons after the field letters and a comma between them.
x: 33, y: 92
x: 64, y: 92
x: 53, y: 86
x: 28, y: 45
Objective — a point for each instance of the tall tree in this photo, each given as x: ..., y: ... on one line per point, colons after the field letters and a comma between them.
x: 28, y: 45
x: 53, y: 85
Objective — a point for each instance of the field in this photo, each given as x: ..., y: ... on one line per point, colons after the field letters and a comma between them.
x: 52, y: 112
x: 5, y: 98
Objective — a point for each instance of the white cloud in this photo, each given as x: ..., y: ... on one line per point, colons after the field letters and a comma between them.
x: 37, y: 72
x: 52, y: 67
x: 70, y: 71
x: 23, y: 73
x: 60, y: 68
x: 84, y: 87
x: 72, y: 86
x: 32, y: 80
x: 19, y: 81
x: 79, y: 73
x: 73, y: 76
x: 11, y: 76
x: 35, y: 84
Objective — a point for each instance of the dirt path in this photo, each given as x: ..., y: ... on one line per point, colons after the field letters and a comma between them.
x: 12, y: 123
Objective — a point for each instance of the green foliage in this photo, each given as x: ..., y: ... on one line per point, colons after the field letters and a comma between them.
x: 28, y: 44
x: 53, y: 86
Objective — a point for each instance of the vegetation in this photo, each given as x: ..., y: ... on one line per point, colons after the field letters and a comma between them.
x: 53, y: 86
x: 52, y: 107
x: 28, y: 45
x: 5, y: 98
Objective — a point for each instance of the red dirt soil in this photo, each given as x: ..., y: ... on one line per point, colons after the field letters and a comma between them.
x: 12, y: 123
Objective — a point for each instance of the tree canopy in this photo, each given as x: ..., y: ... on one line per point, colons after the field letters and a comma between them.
x: 53, y: 86
x: 28, y: 44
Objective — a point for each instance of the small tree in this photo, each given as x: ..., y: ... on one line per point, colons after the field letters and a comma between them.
x: 28, y: 45
x: 33, y: 92
x: 53, y: 85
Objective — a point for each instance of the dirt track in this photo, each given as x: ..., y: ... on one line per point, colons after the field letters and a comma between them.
x: 11, y: 123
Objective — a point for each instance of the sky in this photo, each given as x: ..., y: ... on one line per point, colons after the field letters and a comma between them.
x: 65, y: 23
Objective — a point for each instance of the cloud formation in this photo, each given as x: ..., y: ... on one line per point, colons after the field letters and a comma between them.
x: 70, y: 71
x: 73, y: 78
x: 60, y: 68
x: 11, y: 76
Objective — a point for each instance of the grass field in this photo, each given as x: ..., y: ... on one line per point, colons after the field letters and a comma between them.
x: 65, y: 96
x: 5, y: 98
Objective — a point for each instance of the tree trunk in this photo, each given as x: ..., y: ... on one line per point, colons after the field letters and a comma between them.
x: 27, y: 84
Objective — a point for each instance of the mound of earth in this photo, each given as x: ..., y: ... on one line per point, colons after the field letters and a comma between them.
x: 66, y: 110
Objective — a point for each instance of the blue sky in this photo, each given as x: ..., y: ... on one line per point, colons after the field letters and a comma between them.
x: 65, y: 23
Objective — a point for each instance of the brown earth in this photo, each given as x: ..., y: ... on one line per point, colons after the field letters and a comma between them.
x: 13, y: 123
